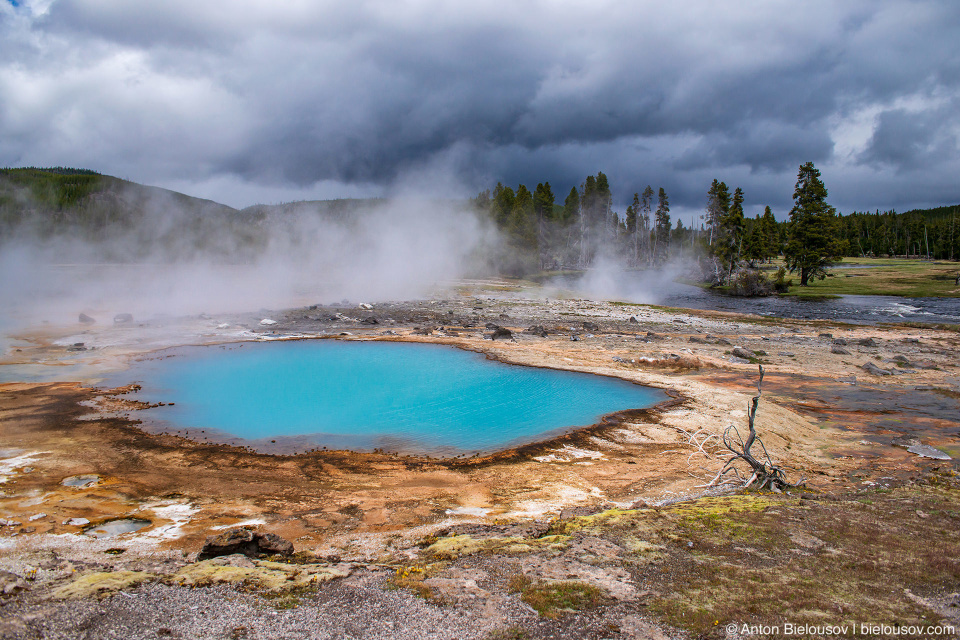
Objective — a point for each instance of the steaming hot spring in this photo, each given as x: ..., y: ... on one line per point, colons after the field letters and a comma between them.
x: 399, y: 397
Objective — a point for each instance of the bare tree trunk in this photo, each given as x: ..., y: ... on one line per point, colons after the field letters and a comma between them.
x: 764, y: 474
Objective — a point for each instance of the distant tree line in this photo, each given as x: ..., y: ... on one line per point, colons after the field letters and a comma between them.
x: 921, y: 233
x: 543, y: 234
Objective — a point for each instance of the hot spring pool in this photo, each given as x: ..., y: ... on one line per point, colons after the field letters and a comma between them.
x: 412, y: 398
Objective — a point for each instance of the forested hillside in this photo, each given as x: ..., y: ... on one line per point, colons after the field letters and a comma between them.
x: 122, y: 219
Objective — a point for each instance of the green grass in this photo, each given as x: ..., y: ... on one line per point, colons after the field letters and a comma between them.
x: 885, y: 277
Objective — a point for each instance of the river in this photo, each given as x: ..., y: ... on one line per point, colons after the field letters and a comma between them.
x: 660, y: 289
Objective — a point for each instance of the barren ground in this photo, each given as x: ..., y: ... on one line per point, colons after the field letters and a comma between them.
x: 604, y: 532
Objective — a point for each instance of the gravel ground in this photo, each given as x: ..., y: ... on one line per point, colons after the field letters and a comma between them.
x: 356, y: 607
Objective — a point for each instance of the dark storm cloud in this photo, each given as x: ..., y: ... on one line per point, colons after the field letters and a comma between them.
x: 762, y: 146
x: 907, y: 140
x: 373, y: 93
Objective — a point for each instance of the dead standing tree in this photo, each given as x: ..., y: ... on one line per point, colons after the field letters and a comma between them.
x: 765, y: 474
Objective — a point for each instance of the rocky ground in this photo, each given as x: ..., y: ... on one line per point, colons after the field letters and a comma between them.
x: 608, y: 532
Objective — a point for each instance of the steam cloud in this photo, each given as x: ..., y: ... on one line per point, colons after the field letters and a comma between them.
x: 393, y: 250
x: 607, y: 279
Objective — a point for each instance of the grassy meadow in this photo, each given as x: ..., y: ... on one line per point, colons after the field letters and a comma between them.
x: 884, y: 277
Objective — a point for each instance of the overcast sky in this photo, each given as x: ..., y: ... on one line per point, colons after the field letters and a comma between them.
x: 262, y: 101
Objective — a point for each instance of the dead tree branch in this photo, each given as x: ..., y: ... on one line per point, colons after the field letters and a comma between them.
x: 764, y: 474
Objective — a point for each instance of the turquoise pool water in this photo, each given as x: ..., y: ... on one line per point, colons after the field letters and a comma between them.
x: 367, y: 395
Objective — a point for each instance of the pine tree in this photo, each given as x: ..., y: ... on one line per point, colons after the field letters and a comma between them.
x: 543, y: 200
x: 813, y: 239
x: 754, y: 242
x: 718, y: 205
x: 643, y: 222
x: 604, y: 199
x: 543, y: 208
x: 522, y: 226
x: 503, y: 199
x: 589, y: 200
x: 662, y: 232
x: 771, y: 235
x: 731, y: 233
x: 571, y: 206
x: 633, y: 226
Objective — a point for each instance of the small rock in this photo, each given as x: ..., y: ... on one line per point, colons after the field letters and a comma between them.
x: 847, y: 379
x: 632, y: 320
x: 85, y: 319
x: 36, y: 517
x: 370, y: 320
x: 267, y: 322
x: 122, y: 318
x: 867, y: 342
x: 538, y: 330
x: 744, y: 354
x: 271, y: 543
x: 77, y: 522
x: 364, y: 305
x: 246, y: 542
x: 574, y: 337
x: 787, y: 354
x: 590, y: 326
x: 828, y: 336
x: 501, y: 333
x: 839, y: 350
x: 871, y: 368
x: 840, y: 341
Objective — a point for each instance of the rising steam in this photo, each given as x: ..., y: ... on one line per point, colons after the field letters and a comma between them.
x: 387, y: 250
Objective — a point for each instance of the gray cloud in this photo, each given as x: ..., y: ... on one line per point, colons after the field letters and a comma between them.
x: 909, y: 140
x: 297, y: 95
